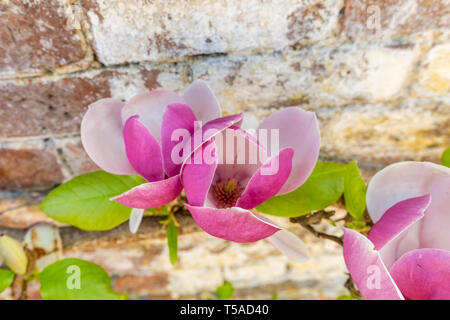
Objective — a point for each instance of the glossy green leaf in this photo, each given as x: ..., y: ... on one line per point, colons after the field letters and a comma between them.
x: 348, y: 297
x: 323, y: 188
x: 6, y: 279
x: 172, y: 241
x: 354, y: 191
x: 84, y: 200
x: 225, y: 291
x: 445, y: 159
x: 75, y: 279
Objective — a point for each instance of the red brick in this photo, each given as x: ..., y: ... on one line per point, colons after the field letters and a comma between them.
x: 397, y: 17
x: 37, y: 36
x: 32, y: 168
x: 154, y: 285
x: 52, y: 107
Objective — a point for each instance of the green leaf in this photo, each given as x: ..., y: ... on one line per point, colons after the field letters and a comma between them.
x: 323, y: 188
x: 348, y: 297
x: 6, y: 279
x: 84, y: 200
x: 75, y: 279
x: 225, y: 291
x: 172, y: 241
x: 445, y: 159
x: 355, y: 191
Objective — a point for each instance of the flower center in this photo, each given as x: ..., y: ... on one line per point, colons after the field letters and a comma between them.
x: 226, y: 193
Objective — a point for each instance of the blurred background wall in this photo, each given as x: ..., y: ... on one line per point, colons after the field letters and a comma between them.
x: 377, y: 73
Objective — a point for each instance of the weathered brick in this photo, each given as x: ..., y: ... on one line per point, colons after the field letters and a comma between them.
x: 311, y: 77
x: 74, y: 156
x: 28, y: 168
x: 153, y: 286
x: 392, y: 18
x: 56, y: 105
x: 139, y: 30
x: 36, y: 36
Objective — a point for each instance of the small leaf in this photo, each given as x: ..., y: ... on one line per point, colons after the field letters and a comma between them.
x: 13, y: 254
x: 323, y: 188
x: 6, y: 279
x: 355, y: 191
x: 76, y: 279
x: 172, y: 241
x: 84, y: 200
x: 445, y: 159
x: 225, y: 291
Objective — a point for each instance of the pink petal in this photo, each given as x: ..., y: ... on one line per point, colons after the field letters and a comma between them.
x: 150, y: 107
x: 290, y: 245
x: 233, y: 224
x: 265, y: 184
x: 101, y: 135
x: 177, y: 118
x: 398, y: 218
x: 299, y: 130
x: 366, y: 268
x: 436, y: 224
x: 210, y: 130
x: 202, y: 101
x: 152, y: 194
x: 423, y: 274
x: 143, y: 150
x: 401, y: 181
x: 197, y: 177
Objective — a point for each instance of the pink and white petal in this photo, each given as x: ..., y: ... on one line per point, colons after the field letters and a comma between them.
x: 150, y: 107
x: 267, y: 180
x: 178, y: 118
x: 423, y: 274
x: 368, y: 272
x: 210, y: 130
x: 135, y: 219
x: 299, y: 130
x: 143, y: 150
x: 233, y: 224
x: 101, y: 136
x: 152, y: 194
x: 400, y: 181
x: 249, y: 123
x: 436, y: 224
x: 398, y: 218
x: 197, y: 176
x: 290, y: 245
x: 202, y: 101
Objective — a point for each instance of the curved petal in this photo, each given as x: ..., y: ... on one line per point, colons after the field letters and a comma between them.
x: 398, y: 218
x: 290, y: 245
x: 400, y: 181
x: 178, y: 122
x: 143, y: 150
x: 202, y: 101
x: 135, y: 219
x: 436, y: 224
x: 233, y: 224
x: 423, y: 274
x: 366, y: 268
x: 299, y: 130
x: 150, y: 107
x: 197, y: 176
x: 267, y: 180
x: 152, y: 194
x: 101, y: 136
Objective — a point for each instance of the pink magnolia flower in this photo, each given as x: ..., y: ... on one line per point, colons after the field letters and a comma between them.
x: 223, y: 190
x: 406, y: 254
x: 136, y: 138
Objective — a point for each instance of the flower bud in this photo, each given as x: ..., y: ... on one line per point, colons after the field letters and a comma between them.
x: 13, y: 254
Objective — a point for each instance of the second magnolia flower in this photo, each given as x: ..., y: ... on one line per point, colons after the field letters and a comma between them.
x: 138, y: 137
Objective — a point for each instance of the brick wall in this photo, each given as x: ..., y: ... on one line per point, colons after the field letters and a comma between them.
x: 375, y: 72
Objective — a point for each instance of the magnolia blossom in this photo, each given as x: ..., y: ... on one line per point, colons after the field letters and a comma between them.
x: 136, y: 138
x: 407, y: 252
x: 237, y: 172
